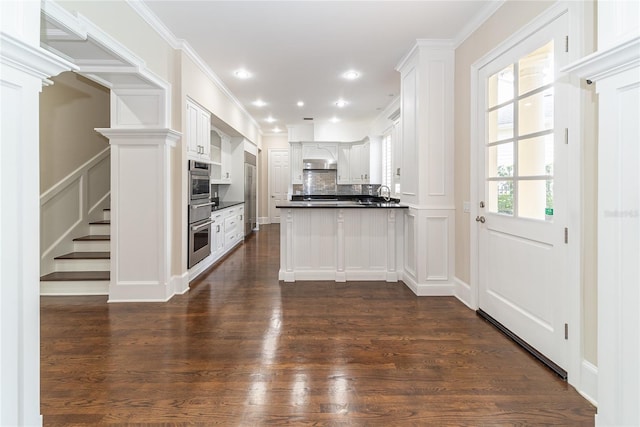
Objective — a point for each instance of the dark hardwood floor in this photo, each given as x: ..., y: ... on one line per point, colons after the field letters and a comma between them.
x: 243, y: 349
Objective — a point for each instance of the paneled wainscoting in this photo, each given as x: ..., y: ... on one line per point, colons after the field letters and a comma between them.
x: 242, y: 348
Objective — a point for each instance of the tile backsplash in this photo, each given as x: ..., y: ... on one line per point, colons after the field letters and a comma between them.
x: 342, y: 190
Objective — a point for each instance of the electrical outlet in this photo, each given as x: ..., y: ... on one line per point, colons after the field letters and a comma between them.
x: 466, y: 207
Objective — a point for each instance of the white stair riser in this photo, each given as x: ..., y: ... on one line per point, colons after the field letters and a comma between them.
x: 101, y: 229
x: 82, y: 265
x: 92, y: 246
x: 89, y: 287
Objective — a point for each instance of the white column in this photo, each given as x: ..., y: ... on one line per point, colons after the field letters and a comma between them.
x: 427, y: 166
x: 140, y: 221
x: 24, y: 66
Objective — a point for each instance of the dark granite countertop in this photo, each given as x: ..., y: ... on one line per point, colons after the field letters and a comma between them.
x: 224, y: 205
x: 342, y: 201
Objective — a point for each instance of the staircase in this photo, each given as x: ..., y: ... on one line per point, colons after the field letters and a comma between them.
x: 86, y: 271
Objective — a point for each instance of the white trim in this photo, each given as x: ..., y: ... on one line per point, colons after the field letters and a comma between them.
x: 479, y: 19
x: 264, y: 220
x: 428, y: 290
x: 156, y: 23
x: 602, y: 64
x: 180, y: 283
x: 33, y: 61
x: 589, y: 382
x: 73, y: 176
x: 462, y: 291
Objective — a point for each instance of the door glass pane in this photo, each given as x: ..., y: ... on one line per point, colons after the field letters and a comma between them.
x: 535, y: 112
x: 501, y: 87
x: 500, y: 160
x: 535, y: 156
x: 501, y: 197
x: 500, y: 123
x: 532, y: 199
x: 536, y: 69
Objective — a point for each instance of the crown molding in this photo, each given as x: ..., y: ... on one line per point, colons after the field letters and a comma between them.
x: 180, y: 44
x: 32, y: 60
x: 477, y: 21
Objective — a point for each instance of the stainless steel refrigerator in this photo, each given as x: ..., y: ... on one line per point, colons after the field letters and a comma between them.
x: 250, y: 199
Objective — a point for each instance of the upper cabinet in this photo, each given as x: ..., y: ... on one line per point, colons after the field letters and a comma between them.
x: 295, y: 150
x: 354, y: 160
x: 197, y: 133
x: 220, y: 157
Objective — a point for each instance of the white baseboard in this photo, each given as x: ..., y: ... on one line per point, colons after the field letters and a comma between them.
x: 428, y: 289
x: 180, y: 283
x: 589, y: 382
x: 462, y: 291
x: 264, y: 220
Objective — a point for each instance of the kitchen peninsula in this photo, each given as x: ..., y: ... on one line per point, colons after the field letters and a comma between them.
x: 341, y: 239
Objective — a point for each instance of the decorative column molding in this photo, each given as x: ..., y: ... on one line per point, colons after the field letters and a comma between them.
x: 140, y: 219
x: 426, y: 75
x: 615, y: 70
x: 24, y: 68
x: 341, y: 275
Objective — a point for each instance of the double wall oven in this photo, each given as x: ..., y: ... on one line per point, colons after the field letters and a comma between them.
x: 199, y: 212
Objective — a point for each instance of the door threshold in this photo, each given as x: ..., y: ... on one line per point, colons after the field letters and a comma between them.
x: 522, y: 343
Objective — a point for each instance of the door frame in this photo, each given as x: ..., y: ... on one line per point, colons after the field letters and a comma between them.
x: 574, y: 172
x: 270, y: 153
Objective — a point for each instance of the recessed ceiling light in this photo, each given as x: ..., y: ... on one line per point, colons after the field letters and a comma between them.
x: 300, y: 104
x: 351, y: 75
x: 259, y: 103
x: 277, y: 129
x: 269, y: 119
x: 341, y: 103
x: 242, y: 74
x: 334, y: 120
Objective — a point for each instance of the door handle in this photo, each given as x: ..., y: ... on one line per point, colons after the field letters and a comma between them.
x: 480, y: 219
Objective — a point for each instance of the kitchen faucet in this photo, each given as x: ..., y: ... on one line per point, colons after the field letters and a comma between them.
x: 387, y: 195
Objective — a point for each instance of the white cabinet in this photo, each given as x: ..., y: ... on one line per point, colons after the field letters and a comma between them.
x: 353, y: 163
x: 217, y: 234
x: 233, y: 226
x: 344, y: 164
x: 295, y: 150
x: 359, y: 163
x: 197, y: 133
x: 220, y: 158
x: 227, y: 162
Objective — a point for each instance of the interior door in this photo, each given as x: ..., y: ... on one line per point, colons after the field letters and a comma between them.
x: 522, y: 189
x: 278, y: 181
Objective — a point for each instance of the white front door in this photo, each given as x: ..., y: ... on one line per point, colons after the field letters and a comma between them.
x: 523, y: 191
x: 278, y: 181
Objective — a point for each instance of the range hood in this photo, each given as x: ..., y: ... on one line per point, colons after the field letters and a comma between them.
x: 319, y: 164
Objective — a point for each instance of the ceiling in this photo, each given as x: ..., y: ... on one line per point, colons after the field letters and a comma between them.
x: 299, y: 50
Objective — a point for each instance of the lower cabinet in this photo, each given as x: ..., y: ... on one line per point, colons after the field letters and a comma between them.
x: 227, y: 231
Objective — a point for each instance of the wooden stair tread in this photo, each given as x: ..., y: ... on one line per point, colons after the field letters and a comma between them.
x: 102, y: 221
x: 75, y: 276
x: 85, y: 255
x: 93, y: 237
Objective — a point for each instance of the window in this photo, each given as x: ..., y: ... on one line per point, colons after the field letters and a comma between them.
x: 520, y: 136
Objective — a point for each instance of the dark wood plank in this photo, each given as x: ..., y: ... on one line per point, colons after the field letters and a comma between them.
x: 242, y: 348
x: 85, y: 255
x: 65, y: 276
x: 92, y: 237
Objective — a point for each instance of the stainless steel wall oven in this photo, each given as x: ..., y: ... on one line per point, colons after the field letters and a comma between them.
x: 199, y: 212
x: 199, y: 181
